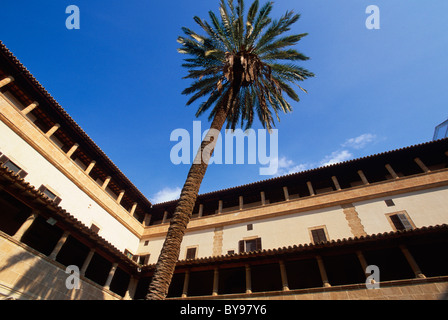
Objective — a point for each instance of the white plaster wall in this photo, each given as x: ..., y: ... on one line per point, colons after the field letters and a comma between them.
x: 425, y: 208
x: 429, y: 207
x: 203, y: 240
x: 275, y: 233
x: 74, y: 200
x: 288, y: 230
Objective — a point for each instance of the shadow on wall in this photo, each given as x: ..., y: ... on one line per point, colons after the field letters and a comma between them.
x: 444, y: 296
x: 26, y: 276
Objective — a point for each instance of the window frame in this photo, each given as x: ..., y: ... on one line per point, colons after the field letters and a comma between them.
x: 389, y: 202
x: 145, y: 258
x: 56, y: 200
x: 242, y: 244
x: 95, y: 228
x: 405, y: 215
x: 5, y: 159
x: 315, y: 228
x: 188, y: 249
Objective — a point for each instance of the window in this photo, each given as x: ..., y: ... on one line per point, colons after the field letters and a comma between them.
x: 50, y: 194
x: 128, y: 254
x: 250, y: 227
x: 95, y: 228
x: 401, y: 221
x: 231, y: 252
x: 146, y: 243
x: 144, y: 259
x: 191, y: 253
x: 249, y: 245
x: 318, y: 235
x: 6, y: 162
x: 389, y: 202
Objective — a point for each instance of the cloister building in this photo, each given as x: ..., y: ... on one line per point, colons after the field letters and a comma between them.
x: 307, y: 235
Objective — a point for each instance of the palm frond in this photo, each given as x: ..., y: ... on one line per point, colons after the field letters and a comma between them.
x: 244, y: 64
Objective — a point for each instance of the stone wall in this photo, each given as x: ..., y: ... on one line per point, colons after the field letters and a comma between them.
x: 435, y: 288
x: 29, y: 275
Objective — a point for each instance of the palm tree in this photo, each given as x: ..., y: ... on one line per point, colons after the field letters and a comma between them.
x: 237, y: 64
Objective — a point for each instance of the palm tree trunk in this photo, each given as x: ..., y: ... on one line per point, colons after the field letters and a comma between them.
x: 169, y: 255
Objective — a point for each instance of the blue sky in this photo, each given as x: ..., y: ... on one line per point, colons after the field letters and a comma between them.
x: 120, y: 77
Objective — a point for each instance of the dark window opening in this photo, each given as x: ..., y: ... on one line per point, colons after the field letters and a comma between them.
x: 201, y: 283
x: 12, y: 166
x: 389, y: 202
x: 401, y: 222
x: 98, y: 269
x: 42, y: 236
x: 94, y: 228
x: 120, y: 282
x: 191, y: 253
x: 249, y: 245
x: 144, y: 259
x: 266, y: 277
x: 318, y: 235
x: 13, y: 213
x: 50, y: 195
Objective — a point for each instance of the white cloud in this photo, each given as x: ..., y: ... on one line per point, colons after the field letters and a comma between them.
x: 282, y: 166
x: 336, y: 157
x: 166, y: 194
x: 285, y: 166
x: 360, y: 141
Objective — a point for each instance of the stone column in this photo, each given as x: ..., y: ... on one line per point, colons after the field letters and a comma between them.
x: 6, y: 81
x: 263, y: 198
x: 134, y: 207
x: 52, y: 130
x: 120, y: 196
x: 111, y: 275
x: 241, y: 203
x: 165, y: 215
x: 201, y: 210
x: 90, y: 167
x: 310, y: 188
x: 215, y: 281
x: 30, y: 108
x: 286, y: 193
x: 284, y: 276
x: 336, y: 182
x: 391, y: 171
x: 130, y: 292
x: 418, y: 273
x: 362, y: 260
x: 72, y: 150
x: 106, y: 182
x: 147, y: 219
x: 186, y: 282
x: 363, y: 177
x: 421, y: 165
x: 26, y: 225
x: 87, y: 261
x: 248, y: 279
x: 59, y: 245
x: 219, y: 206
x: 323, y: 272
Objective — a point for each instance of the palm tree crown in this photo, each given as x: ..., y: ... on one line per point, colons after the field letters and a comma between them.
x: 240, y: 56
